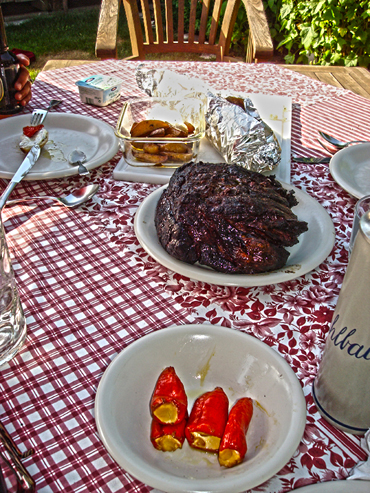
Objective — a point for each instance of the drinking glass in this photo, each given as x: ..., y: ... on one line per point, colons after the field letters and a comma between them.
x: 362, y: 206
x: 12, y: 320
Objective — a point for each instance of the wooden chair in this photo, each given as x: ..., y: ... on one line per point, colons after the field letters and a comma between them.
x: 169, y: 38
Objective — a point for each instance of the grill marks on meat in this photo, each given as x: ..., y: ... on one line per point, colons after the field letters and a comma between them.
x: 228, y: 218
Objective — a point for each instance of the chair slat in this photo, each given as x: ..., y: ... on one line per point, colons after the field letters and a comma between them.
x: 192, y: 20
x: 136, y: 35
x: 203, y: 21
x: 149, y: 38
x: 180, y: 27
x: 158, y: 21
x: 169, y: 21
x: 229, y: 20
x: 215, y: 19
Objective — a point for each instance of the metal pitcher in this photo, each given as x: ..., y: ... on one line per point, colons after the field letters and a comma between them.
x: 341, y: 389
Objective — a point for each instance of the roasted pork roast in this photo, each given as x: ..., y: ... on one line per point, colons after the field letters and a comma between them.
x: 228, y: 218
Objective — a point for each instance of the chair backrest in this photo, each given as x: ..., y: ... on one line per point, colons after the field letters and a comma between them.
x: 193, y: 26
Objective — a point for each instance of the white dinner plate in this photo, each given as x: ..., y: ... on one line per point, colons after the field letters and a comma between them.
x: 350, y: 168
x: 350, y: 486
x: 67, y: 132
x: 204, y: 357
x: 313, y: 247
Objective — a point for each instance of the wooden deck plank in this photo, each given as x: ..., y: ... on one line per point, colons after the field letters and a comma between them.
x: 53, y: 64
x: 349, y: 82
x: 355, y: 79
x: 328, y: 78
x: 362, y: 78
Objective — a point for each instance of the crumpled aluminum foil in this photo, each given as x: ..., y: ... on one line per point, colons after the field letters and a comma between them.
x: 239, y: 135
x: 167, y: 84
x: 147, y: 79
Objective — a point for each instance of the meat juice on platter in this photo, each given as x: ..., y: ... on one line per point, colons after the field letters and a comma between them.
x: 227, y: 218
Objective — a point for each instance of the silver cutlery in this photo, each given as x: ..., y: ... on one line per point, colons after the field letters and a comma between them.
x: 77, y: 158
x: 75, y: 198
x: 38, y: 116
x: 330, y: 151
x: 21, y: 474
x: 23, y: 169
x: 311, y: 160
x: 338, y: 143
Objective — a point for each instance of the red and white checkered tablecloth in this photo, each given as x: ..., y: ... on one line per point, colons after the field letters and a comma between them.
x: 89, y: 289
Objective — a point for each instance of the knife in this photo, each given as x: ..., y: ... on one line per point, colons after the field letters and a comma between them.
x: 23, y: 169
x: 311, y: 160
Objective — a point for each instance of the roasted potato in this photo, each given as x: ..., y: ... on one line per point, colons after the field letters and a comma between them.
x: 156, y: 152
x: 177, y: 130
x: 145, y: 127
x: 159, y: 132
x: 145, y: 157
x: 151, y: 148
x: 178, y: 147
x: 236, y: 101
x: 190, y: 127
x: 178, y: 156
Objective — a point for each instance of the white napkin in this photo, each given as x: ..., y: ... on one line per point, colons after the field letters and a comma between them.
x: 362, y: 469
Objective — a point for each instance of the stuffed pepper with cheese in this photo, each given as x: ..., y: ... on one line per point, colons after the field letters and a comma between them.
x: 234, y: 443
x: 167, y: 438
x: 169, y: 403
x: 207, y: 420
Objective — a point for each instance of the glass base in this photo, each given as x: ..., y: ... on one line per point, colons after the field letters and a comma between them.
x: 13, y: 329
x: 8, y: 355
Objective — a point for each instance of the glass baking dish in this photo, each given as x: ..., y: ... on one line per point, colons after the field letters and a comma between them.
x: 169, y: 133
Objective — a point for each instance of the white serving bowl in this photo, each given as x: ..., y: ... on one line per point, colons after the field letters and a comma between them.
x: 350, y: 168
x: 204, y: 356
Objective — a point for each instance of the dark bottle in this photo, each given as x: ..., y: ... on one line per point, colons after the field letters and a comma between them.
x: 9, y: 68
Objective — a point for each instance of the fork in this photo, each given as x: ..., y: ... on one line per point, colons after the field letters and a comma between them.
x: 38, y: 116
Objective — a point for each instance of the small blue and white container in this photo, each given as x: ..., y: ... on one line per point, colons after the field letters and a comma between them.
x: 99, y: 90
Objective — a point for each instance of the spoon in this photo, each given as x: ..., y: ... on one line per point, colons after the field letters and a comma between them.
x: 337, y: 143
x: 75, y: 198
x: 76, y: 158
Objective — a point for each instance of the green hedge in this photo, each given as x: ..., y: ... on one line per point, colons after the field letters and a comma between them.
x: 323, y: 32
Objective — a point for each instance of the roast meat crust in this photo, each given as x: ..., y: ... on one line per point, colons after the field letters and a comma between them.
x: 228, y: 218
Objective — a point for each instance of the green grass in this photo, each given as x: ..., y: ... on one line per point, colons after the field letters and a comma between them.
x: 61, y: 35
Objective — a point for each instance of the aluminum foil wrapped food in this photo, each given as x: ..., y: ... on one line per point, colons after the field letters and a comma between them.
x: 236, y: 130
x: 233, y: 125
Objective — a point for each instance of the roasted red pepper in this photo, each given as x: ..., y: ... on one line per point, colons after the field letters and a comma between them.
x: 207, y: 420
x: 169, y: 403
x: 167, y: 438
x: 234, y: 443
x: 30, y: 131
